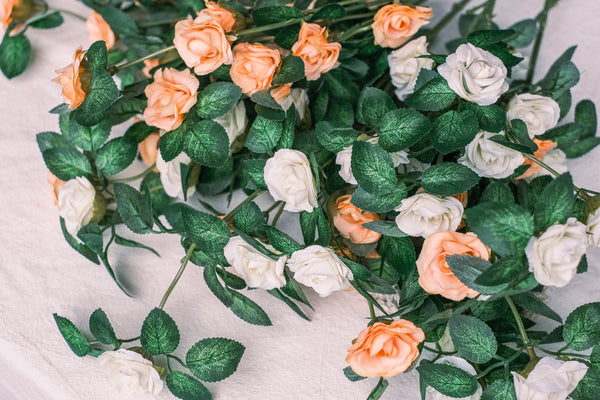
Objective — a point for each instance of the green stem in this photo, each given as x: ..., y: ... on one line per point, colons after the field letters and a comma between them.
x: 500, y: 364
x: 179, y: 360
x: 560, y: 353
x: 521, y: 327
x: 486, y: 13
x: 542, y: 19
x: 371, y: 310
x: 279, y: 212
x: 139, y: 60
x: 356, y: 16
x: 129, y: 340
x: 269, y: 27
x: 184, y: 263
x: 136, y: 177
x: 275, y: 205
x: 355, y: 30
x: 71, y: 13
x: 378, y: 390
x: 456, y: 9
x: 148, y: 24
x: 443, y: 353
x: 247, y: 200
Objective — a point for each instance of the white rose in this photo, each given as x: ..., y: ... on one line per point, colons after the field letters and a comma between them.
x: 170, y: 175
x: 432, y: 394
x: 539, y: 113
x: 424, y: 214
x: 76, y: 203
x: 258, y: 270
x: 551, y: 379
x: 405, y: 65
x: 289, y: 178
x: 593, y: 228
x: 554, y: 256
x: 475, y: 75
x: 555, y: 159
x: 344, y: 160
x: 131, y: 372
x: 234, y: 122
x: 321, y: 269
x: 490, y: 159
x: 297, y: 97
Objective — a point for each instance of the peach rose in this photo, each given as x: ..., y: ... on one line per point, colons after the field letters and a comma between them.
x: 100, y: 30
x: 544, y: 146
x: 435, y: 276
x: 74, y: 79
x: 253, y: 67
x: 202, y: 44
x: 281, y: 92
x: 463, y: 198
x: 56, y: 184
x: 348, y: 219
x: 149, y: 149
x: 6, y: 9
x: 170, y: 96
x: 318, y: 54
x: 224, y: 17
x: 149, y: 65
x: 385, y: 349
x: 395, y: 24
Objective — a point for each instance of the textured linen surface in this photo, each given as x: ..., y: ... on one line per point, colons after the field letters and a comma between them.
x: 40, y: 274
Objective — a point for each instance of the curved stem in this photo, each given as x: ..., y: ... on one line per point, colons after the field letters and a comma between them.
x: 136, y: 177
x: 247, y: 200
x: 521, y: 327
x: 371, y: 311
x: 184, y: 263
x: 129, y: 340
x: 542, y: 18
x: 560, y: 353
x: 179, y: 360
x: 148, y: 57
x: 279, y: 212
x: 499, y: 364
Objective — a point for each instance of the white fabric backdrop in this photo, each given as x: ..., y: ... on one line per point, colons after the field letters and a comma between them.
x: 40, y: 274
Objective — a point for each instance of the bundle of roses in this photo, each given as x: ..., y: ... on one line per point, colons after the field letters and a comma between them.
x: 435, y: 182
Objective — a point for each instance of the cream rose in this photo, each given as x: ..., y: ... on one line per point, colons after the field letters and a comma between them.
x: 131, y: 372
x: 289, y: 178
x: 202, y: 44
x: 539, y: 113
x: 593, y: 228
x: 76, y: 203
x: 424, y: 214
x: 321, y: 269
x: 258, y: 270
x: 490, y: 159
x: 299, y: 99
x: 551, y: 379
x: 432, y: 394
x: 234, y: 122
x: 170, y: 175
x: 475, y: 75
x: 554, y: 256
x: 405, y: 65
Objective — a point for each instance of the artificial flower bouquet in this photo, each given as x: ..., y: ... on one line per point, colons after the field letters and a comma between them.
x: 433, y: 184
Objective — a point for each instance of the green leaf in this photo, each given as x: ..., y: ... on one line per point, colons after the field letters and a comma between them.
x: 502, y: 140
x: 519, y: 131
x: 402, y: 128
x: 500, y: 390
x: 373, y: 168
x: 506, y: 270
x: 125, y: 108
x: 91, y: 235
x: 264, y: 134
x: 274, y: 14
x: 386, y: 228
x: 497, y: 191
x: 214, y: 359
x: 531, y: 303
x: 223, y: 294
x: 588, y: 387
x: 373, y: 105
x: 86, y: 138
x: 102, y: 329
x: 185, y: 387
x: 255, y: 170
x: 565, y: 134
x: 453, y: 131
x: 210, y: 233
x: 160, y: 334
x: 217, y: 99
x: 289, y: 302
x: 340, y: 86
x: 291, y: 70
x: 79, y: 247
x: 48, y: 21
x: 119, y: 22
x: 580, y: 147
x: 250, y: 220
x: 171, y: 143
x: 447, y: 379
x: 116, y: 155
x: 560, y: 80
x: 287, y: 36
x: 206, y: 143
x: 49, y: 140
x: 132, y: 243
x: 248, y: 310
x: 400, y: 253
x: 281, y: 241
x: 505, y: 228
x: 585, y: 115
x: 335, y: 136
x: 308, y: 225
x: 329, y: 11
x: 447, y: 179
x: 76, y: 341
x: 525, y: 31
x: 381, y: 203
x: 468, y: 268
x: 473, y: 338
x: 556, y: 202
x: 139, y: 131
x: 133, y: 208
x: 432, y: 96
x: 582, y: 327
x: 491, y: 118
x: 351, y: 375
x: 15, y: 52
x: 484, y: 38
x: 66, y: 162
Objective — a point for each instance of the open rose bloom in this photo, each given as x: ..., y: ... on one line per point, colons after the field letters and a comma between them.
x: 318, y: 54
x: 253, y: 67
x: 348, y: 219
x: 224, y: 17
x: 385, y: 349
x: 395, y: 24
x: 74, y: 79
